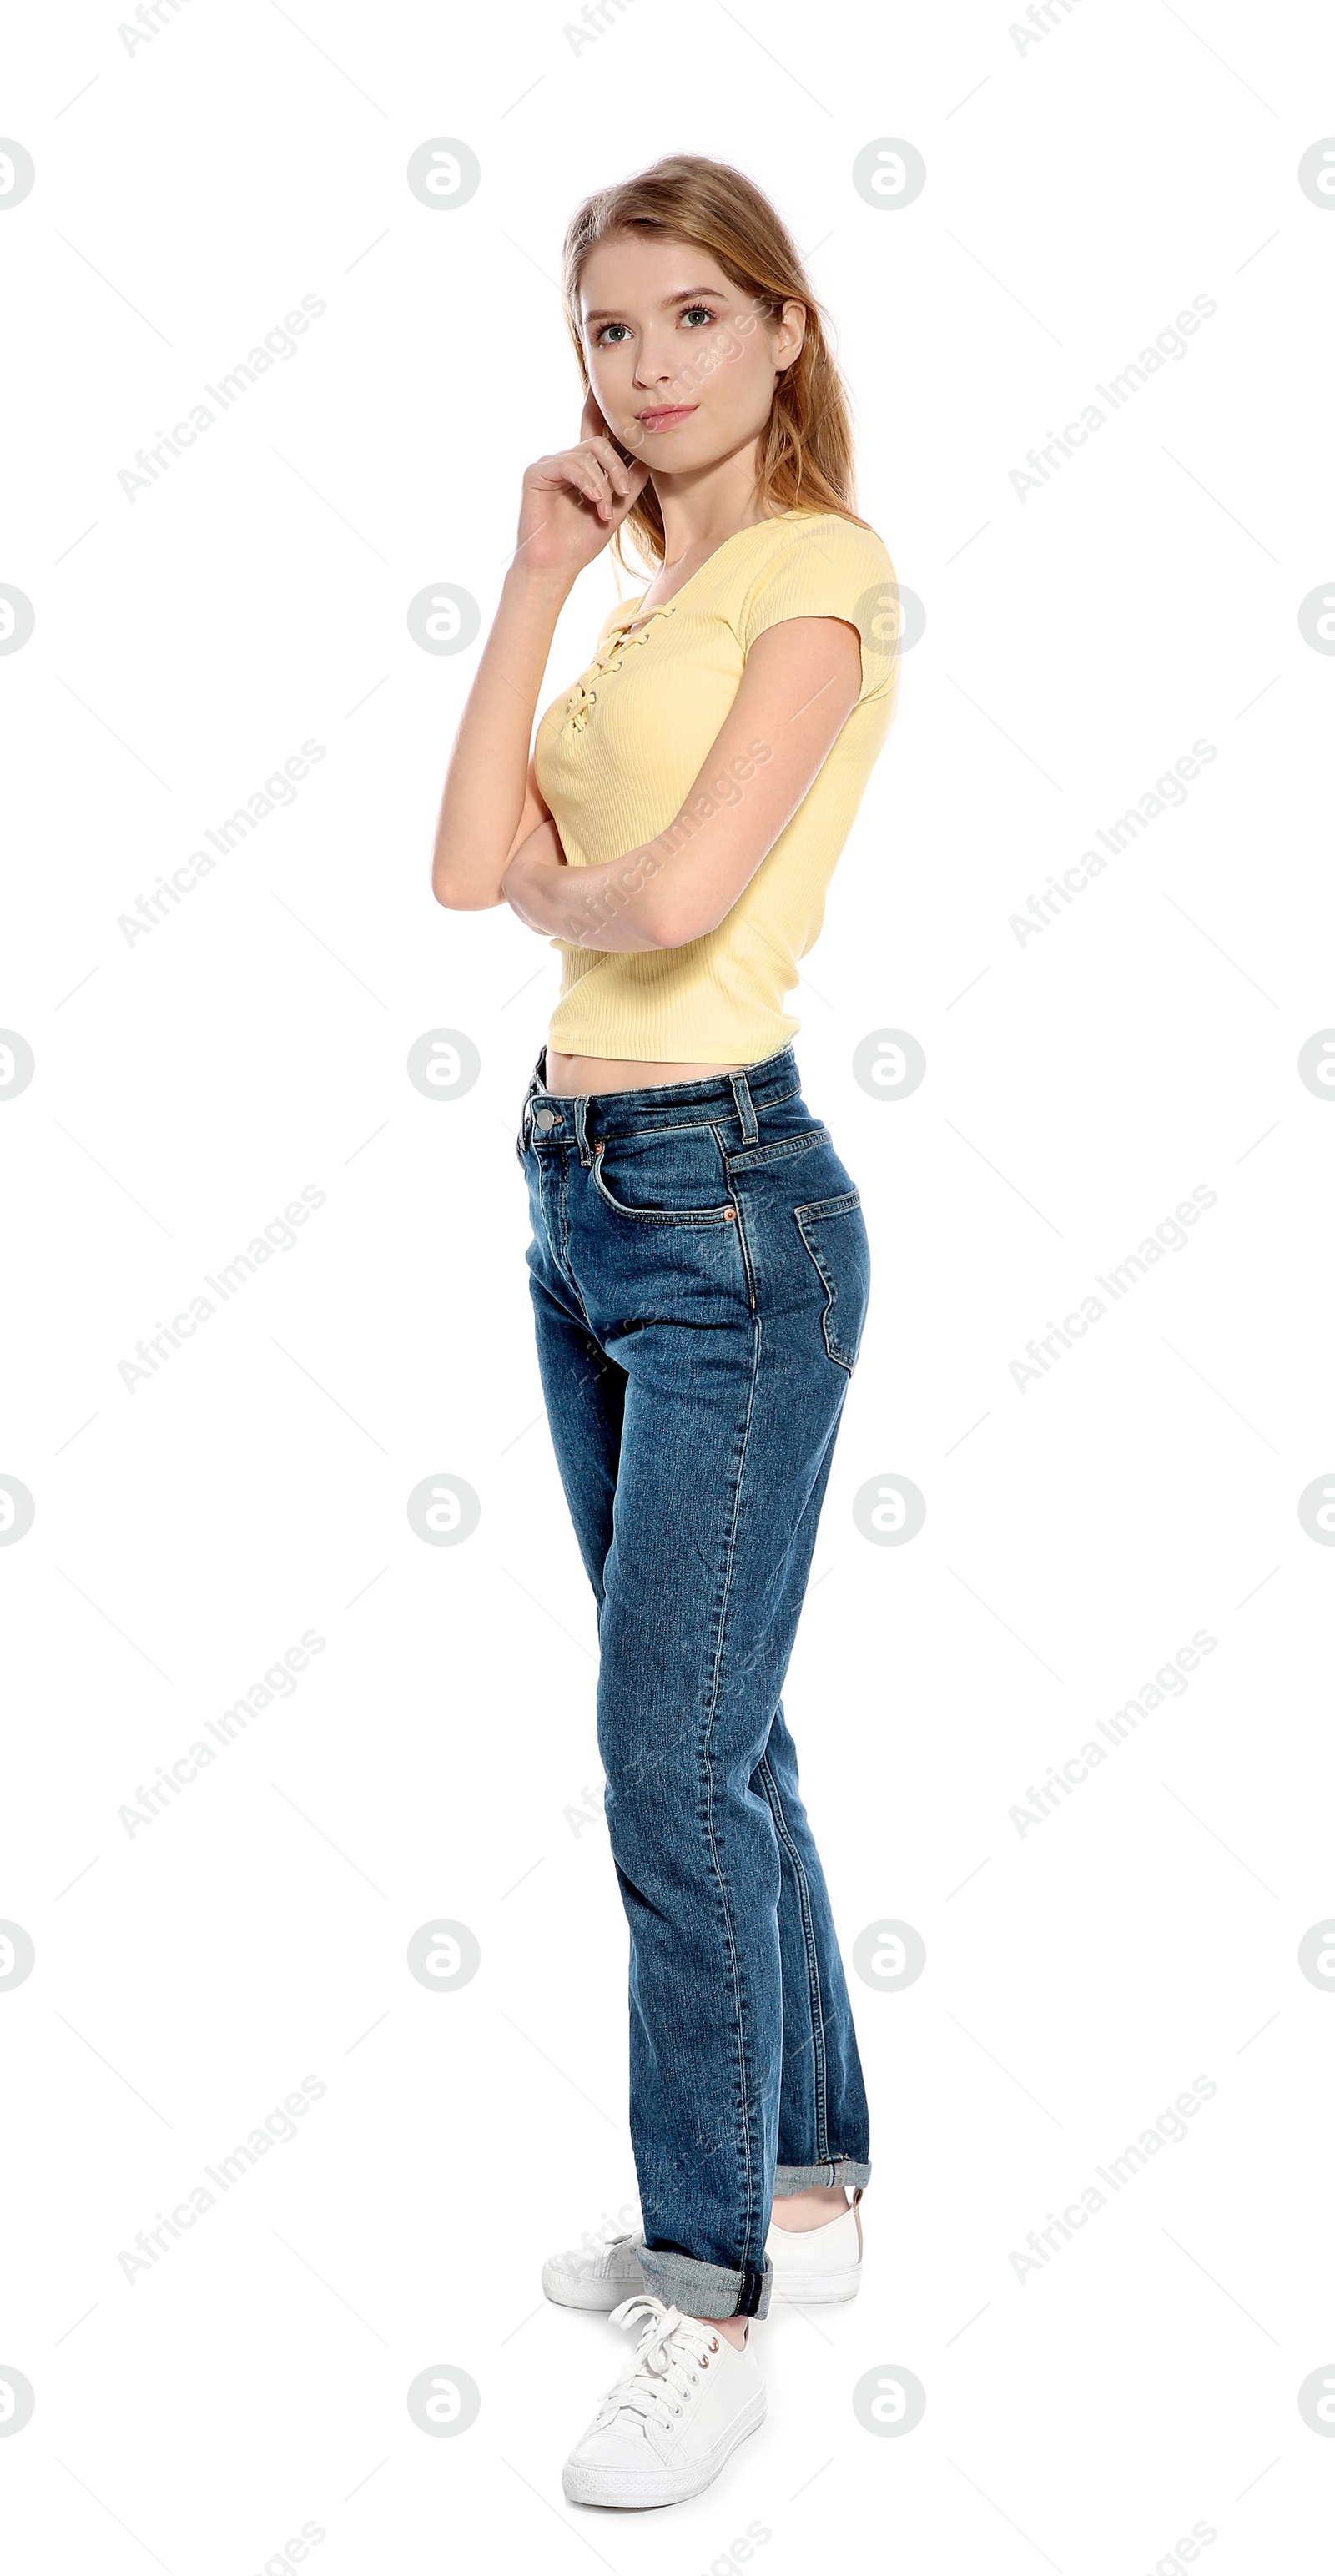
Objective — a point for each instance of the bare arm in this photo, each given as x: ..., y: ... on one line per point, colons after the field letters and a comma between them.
x: 571, y: 504
x: 800, y: 684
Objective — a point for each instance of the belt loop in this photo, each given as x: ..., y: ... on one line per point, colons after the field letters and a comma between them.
x: 581, y: 1133
x: 741, y: 1092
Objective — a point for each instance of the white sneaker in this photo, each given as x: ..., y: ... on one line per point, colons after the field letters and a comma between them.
x: 815, y: 2269
x: 599, y: 2277
x: 821, y: 2265
x: 684, y: 2401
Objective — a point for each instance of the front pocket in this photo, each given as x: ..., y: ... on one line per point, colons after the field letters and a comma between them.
x: 751, y: 1156
x: 836, y: 1238
x: 669, y: 1176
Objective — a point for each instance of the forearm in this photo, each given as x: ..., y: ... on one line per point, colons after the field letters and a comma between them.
x: 617, y: 907
x: 483, y: 800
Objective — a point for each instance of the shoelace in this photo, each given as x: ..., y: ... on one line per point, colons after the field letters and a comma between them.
x: 672, y: 2352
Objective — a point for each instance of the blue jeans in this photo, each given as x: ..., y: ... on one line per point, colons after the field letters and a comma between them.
x: 699, y: 1271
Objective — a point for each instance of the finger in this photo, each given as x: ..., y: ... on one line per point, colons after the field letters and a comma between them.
x: 598, y: 480
x: 616, y: 467
x: 592, y: 422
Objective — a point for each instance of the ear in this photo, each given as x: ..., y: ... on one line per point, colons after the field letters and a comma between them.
x: 790, y: 331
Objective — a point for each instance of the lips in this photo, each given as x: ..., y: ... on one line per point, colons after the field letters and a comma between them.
x: 668, y: 415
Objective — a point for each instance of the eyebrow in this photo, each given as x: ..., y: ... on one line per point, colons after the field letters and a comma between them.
x: 685, y: 295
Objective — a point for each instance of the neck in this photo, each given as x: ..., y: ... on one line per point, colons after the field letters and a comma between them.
x: 701, y: 510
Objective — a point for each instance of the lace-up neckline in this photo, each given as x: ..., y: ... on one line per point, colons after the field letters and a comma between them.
x: 609, y: 658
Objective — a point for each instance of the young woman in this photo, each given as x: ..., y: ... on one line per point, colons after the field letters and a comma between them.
x: 699, y: 1264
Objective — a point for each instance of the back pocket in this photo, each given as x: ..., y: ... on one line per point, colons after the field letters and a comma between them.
x: 835, y: 1235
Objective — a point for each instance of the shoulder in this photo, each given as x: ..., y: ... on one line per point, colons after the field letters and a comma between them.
x: 822, y: 537
x: 816, y: 564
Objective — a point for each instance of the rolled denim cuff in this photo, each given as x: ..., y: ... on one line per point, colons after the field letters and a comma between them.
x: 837, y: 2169
x: 701, y: 2289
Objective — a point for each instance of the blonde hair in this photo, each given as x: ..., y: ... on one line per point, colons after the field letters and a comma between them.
x: 805, y: 451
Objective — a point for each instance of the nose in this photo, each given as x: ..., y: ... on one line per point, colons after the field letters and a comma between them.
x: 647, y: 374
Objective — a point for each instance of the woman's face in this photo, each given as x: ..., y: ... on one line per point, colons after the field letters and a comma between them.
x: 682, y: 364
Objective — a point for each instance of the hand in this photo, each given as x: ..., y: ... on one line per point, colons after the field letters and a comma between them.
x: 573, y: 502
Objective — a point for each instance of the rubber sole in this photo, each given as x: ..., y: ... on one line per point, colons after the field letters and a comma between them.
x: 599, y: 2297
x: 818, y: 2289
x: 627, y: 2487
x: 810, y: 2290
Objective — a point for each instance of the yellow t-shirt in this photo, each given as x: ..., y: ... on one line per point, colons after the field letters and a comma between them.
x: 617, y: 755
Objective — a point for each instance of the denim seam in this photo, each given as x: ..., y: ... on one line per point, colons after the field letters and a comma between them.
x: 775, y: 1798
x: 562, y: 1183
x: 708, y: 1785
x: 841, y: 1206
x: 696, y: 1217
x: 752, y: 1155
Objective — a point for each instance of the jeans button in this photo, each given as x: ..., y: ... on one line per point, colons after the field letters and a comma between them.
x: 545, y: 1118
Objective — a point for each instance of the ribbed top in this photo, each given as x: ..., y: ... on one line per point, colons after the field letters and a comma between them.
x: 617, y: 755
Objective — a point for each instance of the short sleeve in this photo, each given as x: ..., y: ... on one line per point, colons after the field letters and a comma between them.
x: 833, y: 569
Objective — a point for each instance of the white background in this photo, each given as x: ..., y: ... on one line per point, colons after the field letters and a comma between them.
x: 439, y: 1753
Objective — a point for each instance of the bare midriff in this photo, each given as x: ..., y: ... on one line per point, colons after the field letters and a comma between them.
x: 576, y: 1077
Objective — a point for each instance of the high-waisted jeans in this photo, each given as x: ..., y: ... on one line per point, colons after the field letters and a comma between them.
x: 699, y: 1271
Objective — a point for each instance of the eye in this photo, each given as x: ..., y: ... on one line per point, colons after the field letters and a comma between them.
x: 602, y: 342
x: 703, y: 311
